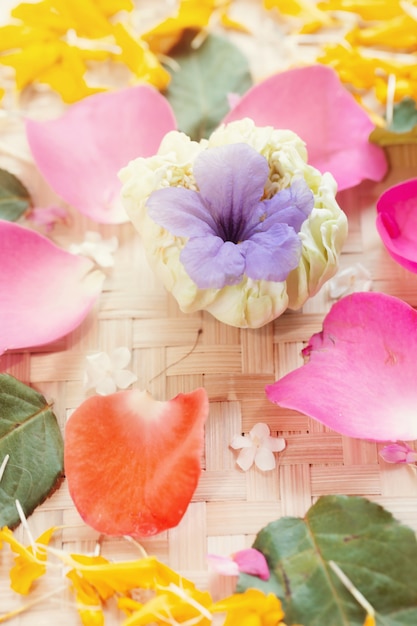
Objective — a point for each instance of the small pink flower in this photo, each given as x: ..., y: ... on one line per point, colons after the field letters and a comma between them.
x: 47, y: 217
x: 249, y: 561
x: 398, y: 453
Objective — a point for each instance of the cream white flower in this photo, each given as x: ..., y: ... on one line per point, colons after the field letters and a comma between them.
x: 257, y: 447
x: 106, y: 373
x: 250, y: 303
x: 96, y: 248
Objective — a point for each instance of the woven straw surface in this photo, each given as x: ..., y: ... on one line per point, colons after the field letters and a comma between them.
x: 229, y: 506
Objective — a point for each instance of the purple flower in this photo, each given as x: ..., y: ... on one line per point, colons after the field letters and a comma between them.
x: 231, y: 229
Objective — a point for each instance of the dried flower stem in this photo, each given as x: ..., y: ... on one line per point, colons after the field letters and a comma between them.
x: 359, y: 597
x: 25, y: 607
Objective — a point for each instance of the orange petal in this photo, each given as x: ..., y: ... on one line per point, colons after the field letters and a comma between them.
x: 133, y: 463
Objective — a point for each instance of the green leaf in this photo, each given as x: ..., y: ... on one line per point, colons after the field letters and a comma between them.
x: 14, y: 197
x: 199, y: 89
x: 374, y: 550
x: 30, y: 435
x: 404, y: 116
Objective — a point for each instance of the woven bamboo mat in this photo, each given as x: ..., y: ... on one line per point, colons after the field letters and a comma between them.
x: 229, y: 506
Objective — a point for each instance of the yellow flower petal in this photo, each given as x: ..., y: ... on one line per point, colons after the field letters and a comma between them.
x: 174, y: 605
x: 32, y: 61
x: 85, y: 17
x: 252, y: 608
x: 192, y: 14
x: 139, y: 59
x: 88, y: 601
x: 367, y: 9
x: 398, y: 33
x: 43, y: 15
x: 15, y: 36
x: 311, y: 17
x: 111, y: 7
x: 66, y: 75
x: 107, y: 577
x: 28, y: 566
x: 369, y: 621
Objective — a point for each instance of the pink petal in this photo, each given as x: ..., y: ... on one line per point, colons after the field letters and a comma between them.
x: 223, y: 565
x: 398, y: 453
x: 45, y: 291
x: 360, y: 379
x: 397, y: 222
x: 81, y: 152
x: 253, y: 562
x: 312, y: 102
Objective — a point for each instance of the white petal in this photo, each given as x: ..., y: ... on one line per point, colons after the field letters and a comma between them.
x: 106, y: 386
x: 240, y: 441
x: 260, y: 430
x: 223, y: 565
x: 100, y: 361
x: 124, y: 378
x: 246, y: 458
x: 264, y: 459
x: 103, y: 258
x: 275, y: 444
x: 120, y: 358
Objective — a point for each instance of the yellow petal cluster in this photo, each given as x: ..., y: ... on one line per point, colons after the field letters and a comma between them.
x: 380, y: 44
x: 306, y: 12
x: 30, y: 563
x: 168, y: 597
x: 55, y: 42
x: 191, y: 14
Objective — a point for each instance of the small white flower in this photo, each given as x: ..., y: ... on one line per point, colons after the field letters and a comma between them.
x: 257, y: 447
x: 353, y: 278
x: 106, y: 373
x: 96, y: 248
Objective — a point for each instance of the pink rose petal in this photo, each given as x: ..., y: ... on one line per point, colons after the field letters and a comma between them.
x: 45, y: 291
x: 252, y: 562
x: 312, y: 102
x: 361, y: 376
x: 398, y: 453
x: 397, y: 222
x: 81, y: 152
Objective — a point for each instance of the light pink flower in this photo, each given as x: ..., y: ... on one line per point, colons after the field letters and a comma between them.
x: 398, y: 453
x: 257, y: 447
x: 249, y: 561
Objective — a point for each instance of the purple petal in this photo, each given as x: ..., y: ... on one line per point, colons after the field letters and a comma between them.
x: 213, y: 263
x: 181, y: 211
x: 289, y: 206
x: 292, y: 205
x: 231, y: 179
x: 273, y: 254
